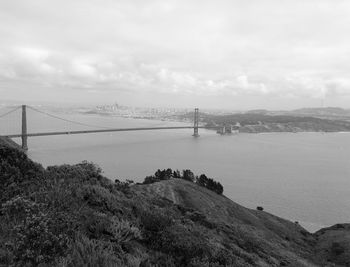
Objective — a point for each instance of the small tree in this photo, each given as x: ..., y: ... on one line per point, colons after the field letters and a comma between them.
x: 176, y: 174
x: 188, y: 175
x: 210, y: 184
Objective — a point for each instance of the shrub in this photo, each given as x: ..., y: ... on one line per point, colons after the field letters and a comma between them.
x: 184, y: 243
x: 90, y: 253
x: 150, y: 180
x: 337, y: 249
x: 210, y: 184
x: 123, y: 231
x: 176, y: 174
x: 164, y: 174
x: 84, y: 172
x: 98, y: 197
x: 123, y: 186
x: 188, y: 175
x: 155, y: 220
x: 159, y: 175
x: 18, y: 208
x: 158, y: 259
x: 19, y: 175
x: 35, y: 240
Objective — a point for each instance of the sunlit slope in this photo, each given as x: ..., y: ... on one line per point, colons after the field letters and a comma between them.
x: 271, y: 239
x: 268, y: 237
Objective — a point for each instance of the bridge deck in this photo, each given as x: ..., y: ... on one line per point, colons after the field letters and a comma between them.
x: 106, y: 130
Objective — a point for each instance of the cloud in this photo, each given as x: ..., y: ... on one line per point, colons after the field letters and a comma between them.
x: 56, y: 69
x: 83, y: 69
x: 193, y: 48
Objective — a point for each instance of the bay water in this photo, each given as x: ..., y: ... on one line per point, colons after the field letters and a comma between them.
x: 302, y: 177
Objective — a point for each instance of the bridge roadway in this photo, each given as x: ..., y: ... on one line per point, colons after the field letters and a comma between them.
x: 107, y: 130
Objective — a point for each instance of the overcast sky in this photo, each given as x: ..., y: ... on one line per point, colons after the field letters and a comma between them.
x: 274, y: 54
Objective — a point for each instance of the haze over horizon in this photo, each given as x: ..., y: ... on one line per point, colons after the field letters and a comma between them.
x: 211, y: 54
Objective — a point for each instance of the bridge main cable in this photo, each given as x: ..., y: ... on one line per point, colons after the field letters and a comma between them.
x: 66, y: 120
x: 108, y: 130
x: 9, y: 112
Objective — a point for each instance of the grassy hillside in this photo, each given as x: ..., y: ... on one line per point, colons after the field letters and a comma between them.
x: 71, y: 215
x: 269, y: 239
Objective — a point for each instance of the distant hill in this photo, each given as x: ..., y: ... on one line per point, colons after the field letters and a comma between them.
x: 333, y: 113
x: 263, y: 121
x: 323, y: 111
x: 312, y: 112
x: 71, y: 215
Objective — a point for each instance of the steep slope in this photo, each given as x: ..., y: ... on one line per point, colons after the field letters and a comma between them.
x: 271, y: 239
x: 333, y: 244
x: 7, y: 142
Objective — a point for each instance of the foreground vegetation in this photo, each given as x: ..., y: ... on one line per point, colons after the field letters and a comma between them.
x: 71, y: 215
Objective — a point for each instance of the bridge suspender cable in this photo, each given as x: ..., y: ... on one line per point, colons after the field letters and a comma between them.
x: 66, y: 120
x: 24, y: 135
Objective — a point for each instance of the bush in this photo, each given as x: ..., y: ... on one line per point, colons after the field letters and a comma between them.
x: 19, y: 175
x: 98, y: 197
x: 84, y: 172
x: 123, y: 231
x: 164, y: 174
x: 158, y: 259
x: 184, y: 243
x: 35, y: 241
x: 91, y: 253
x: 155, y: 220
x: 159, y: 175
x: 150, y: 180
x: 337, y: 249
x: 210, y: 184
x: 188, y: 175
x: 123, y: 186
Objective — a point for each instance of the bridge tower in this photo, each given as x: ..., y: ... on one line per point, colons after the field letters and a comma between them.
x: 24, y: 128
x: 196, y: 122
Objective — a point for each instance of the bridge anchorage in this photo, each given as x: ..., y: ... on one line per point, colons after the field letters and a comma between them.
x: 227, y: 129
x: 24, y: 134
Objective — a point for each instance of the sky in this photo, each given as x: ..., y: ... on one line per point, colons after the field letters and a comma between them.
x: 229, y: 54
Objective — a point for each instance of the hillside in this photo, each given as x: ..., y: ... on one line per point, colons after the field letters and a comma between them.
x: 7, y: 142
x: 261, y: 121
x: 333, y: 244
x: 323, y: 113
x: 71, y: 215
x: 269, y: 239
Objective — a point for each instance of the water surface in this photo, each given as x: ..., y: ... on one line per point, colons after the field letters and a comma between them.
x: 303, y: 177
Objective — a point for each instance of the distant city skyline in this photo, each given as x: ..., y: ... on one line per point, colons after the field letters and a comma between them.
x: 225, y: 54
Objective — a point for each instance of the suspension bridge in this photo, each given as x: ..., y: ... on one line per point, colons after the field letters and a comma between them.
x: 24, y: 134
